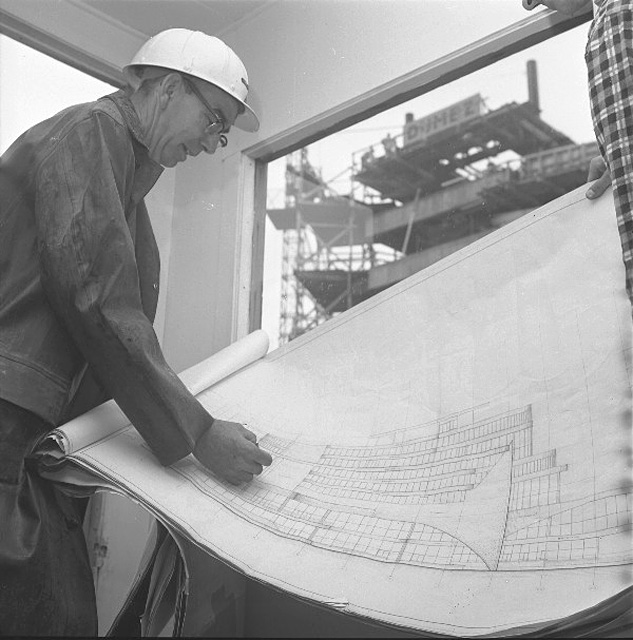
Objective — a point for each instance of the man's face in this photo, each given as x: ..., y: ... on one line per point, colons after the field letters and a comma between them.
x: 184, y: 128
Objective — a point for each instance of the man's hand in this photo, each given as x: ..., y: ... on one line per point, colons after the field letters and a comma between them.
x: 230, y: 450
x: 568, y: 7
x: 598, y: 171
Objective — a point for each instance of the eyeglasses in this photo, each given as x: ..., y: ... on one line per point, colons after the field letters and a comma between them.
x: 218, y: 125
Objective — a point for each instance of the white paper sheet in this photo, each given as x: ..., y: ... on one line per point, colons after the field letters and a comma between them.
x: 451, y: 456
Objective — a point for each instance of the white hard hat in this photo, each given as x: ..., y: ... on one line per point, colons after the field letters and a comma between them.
x: 201, y: 56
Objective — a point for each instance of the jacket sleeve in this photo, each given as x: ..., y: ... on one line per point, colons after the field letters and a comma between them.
x: 90, y: 276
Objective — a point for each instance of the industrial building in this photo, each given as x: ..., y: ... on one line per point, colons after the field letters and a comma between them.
x: 424, y: 194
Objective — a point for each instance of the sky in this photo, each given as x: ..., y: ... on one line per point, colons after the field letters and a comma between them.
x: 35, y: 87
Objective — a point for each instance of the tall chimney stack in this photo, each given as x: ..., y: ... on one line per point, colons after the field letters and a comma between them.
x: 533, y: 85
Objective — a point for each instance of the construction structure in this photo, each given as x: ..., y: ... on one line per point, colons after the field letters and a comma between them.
x: 446, y: 180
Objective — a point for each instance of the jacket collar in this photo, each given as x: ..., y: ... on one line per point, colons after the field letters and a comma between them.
x: 150, y: 170
x: 128, y: 112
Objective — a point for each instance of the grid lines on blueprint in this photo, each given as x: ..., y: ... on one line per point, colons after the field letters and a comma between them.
x: 416, y: 499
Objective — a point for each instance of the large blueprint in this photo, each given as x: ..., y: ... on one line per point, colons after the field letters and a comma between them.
x: 452, y: 455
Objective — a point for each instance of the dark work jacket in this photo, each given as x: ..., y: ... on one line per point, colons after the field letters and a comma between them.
x: 79, y: 272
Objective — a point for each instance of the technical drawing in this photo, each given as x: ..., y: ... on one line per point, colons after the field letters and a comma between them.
x: 475, y: 496
x: 452, y: 455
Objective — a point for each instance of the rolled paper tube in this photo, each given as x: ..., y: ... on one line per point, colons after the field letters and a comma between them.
x: 108, y: 418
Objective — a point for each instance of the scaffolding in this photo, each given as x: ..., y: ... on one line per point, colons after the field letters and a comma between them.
x: 415, y: 198
x: 320, y: 250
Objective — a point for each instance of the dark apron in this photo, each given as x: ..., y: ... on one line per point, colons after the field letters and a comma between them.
x: 46, y: 585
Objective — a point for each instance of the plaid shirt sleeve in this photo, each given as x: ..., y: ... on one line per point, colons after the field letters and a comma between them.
x: 609, y: 57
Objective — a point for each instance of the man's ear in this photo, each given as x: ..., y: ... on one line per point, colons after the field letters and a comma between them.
x: 170, y: 87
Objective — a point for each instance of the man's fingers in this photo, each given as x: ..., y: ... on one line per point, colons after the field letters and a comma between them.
x: 239, y: 477
x: 599, y: 186
x: 254, y: 468
x: 248, y: 470
x: 231, y: 451
x: 262, y: 457
x: 600, y: 176
x: 258, y: 455
x: 530, y: 4
x: 597, y: 167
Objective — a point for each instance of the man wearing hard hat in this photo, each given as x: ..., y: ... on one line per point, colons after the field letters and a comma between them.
x: 78, y: 293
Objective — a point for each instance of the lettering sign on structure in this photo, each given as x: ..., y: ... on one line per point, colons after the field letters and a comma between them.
x: 458, y: 113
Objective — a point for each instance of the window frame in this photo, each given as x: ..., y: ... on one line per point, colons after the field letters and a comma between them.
x: 501, y: 44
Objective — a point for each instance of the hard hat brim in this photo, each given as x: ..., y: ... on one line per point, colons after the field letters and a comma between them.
x: 247, y: 121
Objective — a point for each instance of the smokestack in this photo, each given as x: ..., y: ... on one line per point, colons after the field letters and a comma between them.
x: 533, y: 85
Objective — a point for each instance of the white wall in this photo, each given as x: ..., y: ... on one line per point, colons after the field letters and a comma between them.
x: 198, y: 320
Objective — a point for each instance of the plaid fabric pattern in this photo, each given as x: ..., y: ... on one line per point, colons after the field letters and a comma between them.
x: 609, y: 57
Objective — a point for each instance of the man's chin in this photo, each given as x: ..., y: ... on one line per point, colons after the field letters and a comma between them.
x: 169, y: 163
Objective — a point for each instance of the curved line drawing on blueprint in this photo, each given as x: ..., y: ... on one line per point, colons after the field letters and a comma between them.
x: 475, y: 496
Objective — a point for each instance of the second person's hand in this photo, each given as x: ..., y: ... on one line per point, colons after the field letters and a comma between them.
x: 599, y: 174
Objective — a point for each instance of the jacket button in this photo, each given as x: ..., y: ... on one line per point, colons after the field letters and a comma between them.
x: 155, y: 285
